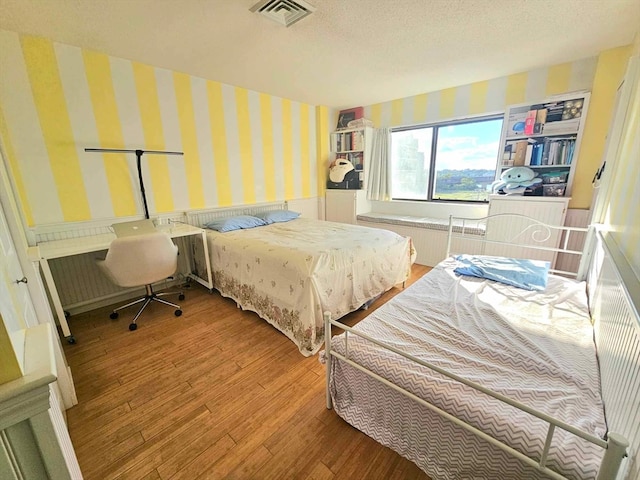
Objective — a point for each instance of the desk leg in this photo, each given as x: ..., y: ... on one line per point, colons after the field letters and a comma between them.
x: 55, y: 298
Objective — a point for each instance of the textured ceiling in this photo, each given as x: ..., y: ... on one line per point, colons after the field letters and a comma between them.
x: 347, y: 53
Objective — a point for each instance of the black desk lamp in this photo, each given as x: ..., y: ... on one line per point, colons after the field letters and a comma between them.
x: 139, y: 158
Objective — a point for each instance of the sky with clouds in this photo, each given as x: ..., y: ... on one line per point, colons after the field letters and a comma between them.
x: 473, y: 146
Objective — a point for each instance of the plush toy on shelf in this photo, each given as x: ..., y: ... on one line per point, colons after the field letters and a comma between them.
x: 515, y: 181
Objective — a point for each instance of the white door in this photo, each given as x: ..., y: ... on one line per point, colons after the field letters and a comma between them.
x: 18, y: 313
x: 29, y: 300
x: 15, y: 302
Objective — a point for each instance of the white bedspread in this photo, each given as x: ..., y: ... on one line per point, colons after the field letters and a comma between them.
x: 291, y: 272
x: 534, y: 347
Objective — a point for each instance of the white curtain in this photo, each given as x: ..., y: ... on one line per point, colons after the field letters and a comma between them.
x: 379, y: 181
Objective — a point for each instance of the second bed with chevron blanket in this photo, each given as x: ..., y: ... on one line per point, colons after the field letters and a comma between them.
x: 534, y: 347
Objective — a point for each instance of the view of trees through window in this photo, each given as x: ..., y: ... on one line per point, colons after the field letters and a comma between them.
x: 455, y: 161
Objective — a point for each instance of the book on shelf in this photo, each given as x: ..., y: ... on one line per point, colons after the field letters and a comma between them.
x: 536, y: 156
x: 336, y: 143
x: 507, y: 156
x: 545, y: 152
x: 552, y: 151
x: 541, y: 118
x: 529, y: 154
x: 357, y: 140
x: 530, y: 122
x: 520, y: 152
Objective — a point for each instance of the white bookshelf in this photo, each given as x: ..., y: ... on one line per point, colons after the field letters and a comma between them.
x: 545, y: 136
x: 354, y: 144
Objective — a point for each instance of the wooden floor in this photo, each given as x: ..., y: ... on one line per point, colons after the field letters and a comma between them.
x: 216, y: 393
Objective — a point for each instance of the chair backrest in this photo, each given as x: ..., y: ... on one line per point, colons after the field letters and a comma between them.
x: 140, y: 259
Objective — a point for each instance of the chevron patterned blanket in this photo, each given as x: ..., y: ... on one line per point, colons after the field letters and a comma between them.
x: 534, y: 347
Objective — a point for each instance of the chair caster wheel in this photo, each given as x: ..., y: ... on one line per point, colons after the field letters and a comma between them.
x: 177, y: 313
x: 133, y: 326
x: 71, y: 340
x: 181, y: 297
x: 113, y: 315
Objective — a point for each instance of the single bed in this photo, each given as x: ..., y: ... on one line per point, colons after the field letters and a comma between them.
x: 290, y: 272
x: 471, y: 378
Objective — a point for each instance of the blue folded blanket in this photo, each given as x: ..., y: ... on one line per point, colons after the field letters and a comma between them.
x: 527, y: 274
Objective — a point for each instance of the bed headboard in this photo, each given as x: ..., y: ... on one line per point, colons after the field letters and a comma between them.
x: 200, y: 217
x: 617, y: 333
x: 513, y: 235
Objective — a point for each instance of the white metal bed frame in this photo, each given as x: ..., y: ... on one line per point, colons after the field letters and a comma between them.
x: 615, y: 445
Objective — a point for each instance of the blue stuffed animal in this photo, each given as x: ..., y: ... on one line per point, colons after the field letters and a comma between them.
x: 515, y: 181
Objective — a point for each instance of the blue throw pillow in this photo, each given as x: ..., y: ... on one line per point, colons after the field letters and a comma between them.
x: 234, y: 223
x: 527, y: 274
x: 277, y: 216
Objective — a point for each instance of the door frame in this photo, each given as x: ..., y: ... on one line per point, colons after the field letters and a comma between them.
x: 9, y: 203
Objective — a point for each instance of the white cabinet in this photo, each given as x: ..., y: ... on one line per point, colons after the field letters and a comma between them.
x: 344, y: 205
x: 545, y: 137
x: 354, y: 144
x: 548, y: 210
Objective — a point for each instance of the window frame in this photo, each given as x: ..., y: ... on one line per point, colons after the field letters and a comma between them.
x: 432, y: 159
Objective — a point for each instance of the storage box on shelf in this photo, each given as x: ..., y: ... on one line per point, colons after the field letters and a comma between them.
x: 545, y: 137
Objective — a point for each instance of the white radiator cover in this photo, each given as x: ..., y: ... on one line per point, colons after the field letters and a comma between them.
x: 618, y: 352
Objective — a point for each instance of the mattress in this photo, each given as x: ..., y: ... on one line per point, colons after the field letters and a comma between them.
x: 533, y: 347
x: 291, y: 272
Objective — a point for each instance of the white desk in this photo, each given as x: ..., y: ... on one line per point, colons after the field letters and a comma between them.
x: 46, y: 251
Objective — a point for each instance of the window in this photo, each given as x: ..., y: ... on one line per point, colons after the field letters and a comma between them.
x: 447, y: 161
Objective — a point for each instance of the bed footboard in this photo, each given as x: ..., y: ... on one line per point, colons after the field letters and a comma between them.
x: 615, y: 446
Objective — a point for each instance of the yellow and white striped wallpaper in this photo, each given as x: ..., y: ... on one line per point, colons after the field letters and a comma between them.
x: 493, y: 96
x: 240, y: 146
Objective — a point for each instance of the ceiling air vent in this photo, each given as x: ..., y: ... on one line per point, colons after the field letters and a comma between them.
x: 285, y: 12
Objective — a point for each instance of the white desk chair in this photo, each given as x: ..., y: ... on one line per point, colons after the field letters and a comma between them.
x: 138, y: 260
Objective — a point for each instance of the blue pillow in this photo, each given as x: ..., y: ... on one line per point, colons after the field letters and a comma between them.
x: 234, y: 223
x: 527, y: 274
x: 277, y: 216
